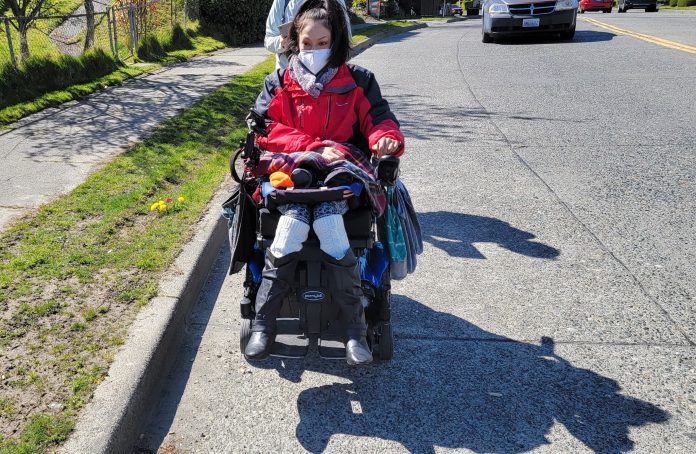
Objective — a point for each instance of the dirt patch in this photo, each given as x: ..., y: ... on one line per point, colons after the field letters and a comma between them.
x: 60, y: 346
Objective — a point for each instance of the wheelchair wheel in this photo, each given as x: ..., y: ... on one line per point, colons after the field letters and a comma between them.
x: 384, y: 348
x: 244, y: 334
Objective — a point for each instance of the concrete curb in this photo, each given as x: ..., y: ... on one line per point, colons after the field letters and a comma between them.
x: 120, y: 405
x: 112, y: 420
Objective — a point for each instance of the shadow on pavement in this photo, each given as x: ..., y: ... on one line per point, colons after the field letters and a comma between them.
x: 482, y: 392
x: 581, y: 36
x: 428, y: 120
x: 397, y: 37
x: 456, y: 233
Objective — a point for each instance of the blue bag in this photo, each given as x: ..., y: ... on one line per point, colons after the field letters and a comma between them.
x: 396, y: 241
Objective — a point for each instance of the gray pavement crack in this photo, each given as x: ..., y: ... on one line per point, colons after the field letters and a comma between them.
x: 567, y: 208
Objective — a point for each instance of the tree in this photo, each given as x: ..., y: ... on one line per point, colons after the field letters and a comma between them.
x: 26, y: 12
x: 89, y: 37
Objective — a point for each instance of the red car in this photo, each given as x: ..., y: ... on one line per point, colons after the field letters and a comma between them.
x: 595, y: 5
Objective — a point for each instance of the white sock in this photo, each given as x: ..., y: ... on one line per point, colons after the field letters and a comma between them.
x: 289, y: 236
x: 332, y: 235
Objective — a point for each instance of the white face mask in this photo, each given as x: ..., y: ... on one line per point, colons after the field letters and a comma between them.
x: 315, y: 60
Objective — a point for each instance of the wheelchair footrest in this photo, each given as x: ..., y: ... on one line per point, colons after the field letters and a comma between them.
x: 332, y: 348
x: 290, y: 342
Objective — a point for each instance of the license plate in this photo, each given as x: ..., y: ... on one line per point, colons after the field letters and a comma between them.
x: 530, y: 23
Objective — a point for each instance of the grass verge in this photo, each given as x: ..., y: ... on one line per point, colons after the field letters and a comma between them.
x: 20, y: 110
x: 365, y: 33
x: 37, y: 76
x: 74, y: 273
x: 196, y: 44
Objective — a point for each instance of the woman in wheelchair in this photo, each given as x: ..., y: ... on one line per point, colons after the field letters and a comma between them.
x: 321, y: 114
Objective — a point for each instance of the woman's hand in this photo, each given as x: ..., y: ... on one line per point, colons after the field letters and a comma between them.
x: 331, y: 154
x: 386, y: 146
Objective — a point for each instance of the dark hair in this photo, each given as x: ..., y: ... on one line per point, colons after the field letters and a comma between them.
x: 332, y: 14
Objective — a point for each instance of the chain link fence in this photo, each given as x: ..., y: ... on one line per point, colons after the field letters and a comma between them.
x: 118, y: 28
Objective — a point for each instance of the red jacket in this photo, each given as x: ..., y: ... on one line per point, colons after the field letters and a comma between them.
x: 350, y: 109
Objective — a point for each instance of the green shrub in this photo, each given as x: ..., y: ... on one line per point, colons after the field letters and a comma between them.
x: 684, y: 3
x: 38, y: 76
x: 355, y: 18
x: 673, y: 2
x: 391, y: 8
x: 362, y: 4
x: 237, y: 21
x: 180, y: 39
x: 156, y: 46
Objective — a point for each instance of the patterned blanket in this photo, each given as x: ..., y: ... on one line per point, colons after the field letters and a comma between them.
x: 355, y: 163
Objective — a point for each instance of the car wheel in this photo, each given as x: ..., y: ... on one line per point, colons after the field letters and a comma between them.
x: 652, y: 9
x: 568, y: 34
x: 486, y: 38
x: 581, y: 11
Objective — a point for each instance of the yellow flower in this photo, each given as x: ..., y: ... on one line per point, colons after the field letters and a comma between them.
x: 154, y: 206
x: 181, y: 199
x: 162, y: 206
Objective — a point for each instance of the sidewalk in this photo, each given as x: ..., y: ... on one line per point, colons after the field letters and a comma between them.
x: 50, y: 153
x: 120, y: 405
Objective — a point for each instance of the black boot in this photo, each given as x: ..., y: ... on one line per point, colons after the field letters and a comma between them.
x: 278, y: 278
x: 344, y: 278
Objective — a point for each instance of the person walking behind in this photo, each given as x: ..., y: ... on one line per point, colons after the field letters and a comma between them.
x: 283, y: 12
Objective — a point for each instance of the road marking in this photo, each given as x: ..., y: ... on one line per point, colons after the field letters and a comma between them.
x: 642, y: 36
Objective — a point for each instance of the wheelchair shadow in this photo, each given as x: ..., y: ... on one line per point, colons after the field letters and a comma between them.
x: 482, y: 392
x: 456, y: 233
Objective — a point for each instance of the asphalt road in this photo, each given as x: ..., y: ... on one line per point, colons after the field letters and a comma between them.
x: 552, y: 310
x: 676, y: 25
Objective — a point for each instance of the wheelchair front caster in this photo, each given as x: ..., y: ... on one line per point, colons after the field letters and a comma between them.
x: 382, y: 341
x: 244, y: 334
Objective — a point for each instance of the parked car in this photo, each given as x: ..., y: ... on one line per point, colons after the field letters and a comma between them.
x: 511, y: 17
x: 650, y: 6
x: 604, y: 6
x: 456, y: 9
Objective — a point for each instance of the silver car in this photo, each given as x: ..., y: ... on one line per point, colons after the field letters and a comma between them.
x: 508, y: 17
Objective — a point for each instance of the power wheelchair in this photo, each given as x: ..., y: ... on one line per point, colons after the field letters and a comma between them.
x: 309, y: 315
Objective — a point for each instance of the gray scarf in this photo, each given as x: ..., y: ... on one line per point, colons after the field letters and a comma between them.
x: 307, y: 80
